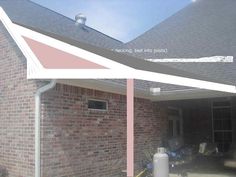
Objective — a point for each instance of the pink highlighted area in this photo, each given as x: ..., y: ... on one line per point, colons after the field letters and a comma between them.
x: 52, y: 58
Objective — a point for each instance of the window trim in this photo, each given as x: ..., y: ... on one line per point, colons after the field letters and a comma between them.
x: 93, y: 99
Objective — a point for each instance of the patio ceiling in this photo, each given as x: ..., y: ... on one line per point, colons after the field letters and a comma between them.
x: 120, y: 88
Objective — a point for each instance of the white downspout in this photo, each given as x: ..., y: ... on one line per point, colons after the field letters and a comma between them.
x: 37, y: 125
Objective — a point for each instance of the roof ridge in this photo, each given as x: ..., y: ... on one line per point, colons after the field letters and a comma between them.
x: 72, y: 19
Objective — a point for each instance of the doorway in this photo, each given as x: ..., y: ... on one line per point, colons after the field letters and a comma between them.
x: 175, y: 122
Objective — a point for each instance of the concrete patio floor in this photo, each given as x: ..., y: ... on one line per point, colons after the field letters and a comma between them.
x: 203, y: 175
x: 204, y: 167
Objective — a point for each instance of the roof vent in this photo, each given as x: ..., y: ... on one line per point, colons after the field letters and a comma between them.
x: 80, y: 19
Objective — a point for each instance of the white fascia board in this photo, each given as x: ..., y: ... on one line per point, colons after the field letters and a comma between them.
x: 27, y: 52
x: 92, y: 57
x: 82, y: 74
x: 136, y: 74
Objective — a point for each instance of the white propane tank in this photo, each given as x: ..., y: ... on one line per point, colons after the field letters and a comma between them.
x: 161, y: 163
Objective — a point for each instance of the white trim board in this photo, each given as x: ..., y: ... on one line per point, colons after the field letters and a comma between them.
x: 23, y: 46
x: 214, y: 59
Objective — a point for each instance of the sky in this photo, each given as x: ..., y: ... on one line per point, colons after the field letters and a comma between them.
x: 121, y: 19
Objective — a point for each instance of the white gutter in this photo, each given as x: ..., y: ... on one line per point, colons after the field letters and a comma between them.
x: 37, y: 125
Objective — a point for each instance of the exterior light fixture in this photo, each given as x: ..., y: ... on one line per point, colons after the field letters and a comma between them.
x: 155, y: 91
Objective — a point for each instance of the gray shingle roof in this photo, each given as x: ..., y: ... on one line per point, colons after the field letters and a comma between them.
x: 202, y: 29
x: 31, y: 14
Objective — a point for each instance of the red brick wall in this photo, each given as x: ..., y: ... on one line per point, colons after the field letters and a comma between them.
x: 16, y: 110
x: 150, y: 129
x: 80, y: 142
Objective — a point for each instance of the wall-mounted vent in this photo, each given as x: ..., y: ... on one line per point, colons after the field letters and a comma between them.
x: 97, y: 104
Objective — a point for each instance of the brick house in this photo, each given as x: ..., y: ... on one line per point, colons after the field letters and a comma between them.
x: 78, y: 140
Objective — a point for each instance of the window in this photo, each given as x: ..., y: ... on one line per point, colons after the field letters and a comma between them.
x: 175, y: 122
x: 222, y: 124
x: 97, y: 104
